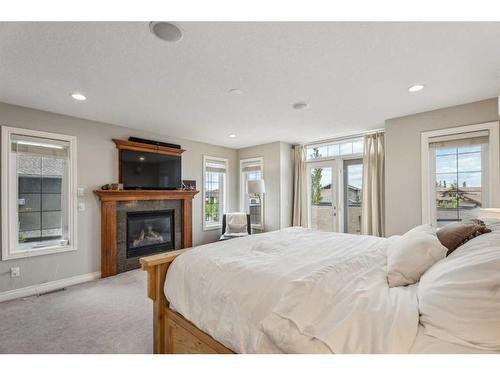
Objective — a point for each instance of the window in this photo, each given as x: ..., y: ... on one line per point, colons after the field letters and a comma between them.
x: 38, y: 193
x: 335, y: 149
x: 253, y: 204
x: 461, y: 172
x: 214, y: 191
x: 334, y: 185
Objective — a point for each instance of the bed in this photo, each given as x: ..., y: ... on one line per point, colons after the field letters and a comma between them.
x: 297, y: 291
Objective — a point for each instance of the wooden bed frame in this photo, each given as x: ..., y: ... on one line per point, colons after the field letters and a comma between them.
x: 172, y: 333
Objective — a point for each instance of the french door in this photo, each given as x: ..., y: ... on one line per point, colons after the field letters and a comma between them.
x: 334, y: 195
x: 352, y: 194
x: 323, y: 195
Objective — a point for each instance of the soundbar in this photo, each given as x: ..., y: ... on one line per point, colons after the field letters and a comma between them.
x: 156, y: 143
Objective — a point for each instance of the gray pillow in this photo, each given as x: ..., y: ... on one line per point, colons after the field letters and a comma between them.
x: 455, y: 235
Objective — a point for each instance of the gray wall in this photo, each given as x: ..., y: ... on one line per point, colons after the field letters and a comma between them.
x: 402, y: 165
x: 276, y: 164
x: 98, y: 165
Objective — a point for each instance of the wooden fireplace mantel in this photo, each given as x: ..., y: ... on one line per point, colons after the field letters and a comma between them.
x: 144, y: 195
x: 108, y: 219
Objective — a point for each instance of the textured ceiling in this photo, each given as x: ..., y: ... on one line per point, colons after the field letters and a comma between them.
x: 353, y: 75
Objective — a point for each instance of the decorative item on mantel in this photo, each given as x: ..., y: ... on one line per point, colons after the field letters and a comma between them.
x: 112, y: 187
x: 188, y: 185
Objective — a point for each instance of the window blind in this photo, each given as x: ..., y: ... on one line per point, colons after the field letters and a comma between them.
x: 39, y: 146
x: 460, y: 140
x: 251, y: 167
x: 215, y: 166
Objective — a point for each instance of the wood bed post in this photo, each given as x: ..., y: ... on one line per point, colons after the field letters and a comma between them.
x: 172, y: 333
x: 159, y: 305
x: 157, y: 267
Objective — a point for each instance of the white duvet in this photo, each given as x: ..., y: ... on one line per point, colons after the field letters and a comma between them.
x: 295, y: 291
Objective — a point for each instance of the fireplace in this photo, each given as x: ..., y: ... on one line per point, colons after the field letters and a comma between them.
x: 150, y: 232
x: 116, y: 205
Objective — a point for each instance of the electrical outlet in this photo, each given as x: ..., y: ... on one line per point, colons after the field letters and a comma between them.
x: 15, y: 272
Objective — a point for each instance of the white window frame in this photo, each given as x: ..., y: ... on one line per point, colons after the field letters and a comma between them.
x: 9, y: 227
x: 243, y: 191
x: 208, y: 227
x: 493, y: 164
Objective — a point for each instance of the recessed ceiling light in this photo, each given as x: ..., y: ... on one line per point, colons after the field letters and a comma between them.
x: 142, y: 158
x: 236, y: 92
x: 78, y: 96
x: 300, y: 105
x: 166, y: 31
x: 232, y: 135
x: 416, y: 88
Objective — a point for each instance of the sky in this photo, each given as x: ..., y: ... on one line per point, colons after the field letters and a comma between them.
x: 355, y: 176
x: 467, y: 162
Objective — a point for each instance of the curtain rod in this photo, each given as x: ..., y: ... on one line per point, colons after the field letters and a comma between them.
x: 344, y: 137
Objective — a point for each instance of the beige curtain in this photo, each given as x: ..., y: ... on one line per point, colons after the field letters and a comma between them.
x: 299, y: 187
x: 373, y: 202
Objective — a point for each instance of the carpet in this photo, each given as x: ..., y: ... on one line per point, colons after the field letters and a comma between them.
x: 111, y: 315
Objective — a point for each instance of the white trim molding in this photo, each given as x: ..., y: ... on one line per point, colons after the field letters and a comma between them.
x: 8, y: 208
x: 50, y: 286
x: 493, y: 162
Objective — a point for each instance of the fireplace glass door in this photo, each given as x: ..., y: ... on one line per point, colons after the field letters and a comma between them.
x: 149, y: 232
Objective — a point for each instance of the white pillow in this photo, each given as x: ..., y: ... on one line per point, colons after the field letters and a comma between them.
x: 410, y: 255
x: 459, y: 298
x: 236, y: 228
x: 236, y: 223
x: 492, y: 224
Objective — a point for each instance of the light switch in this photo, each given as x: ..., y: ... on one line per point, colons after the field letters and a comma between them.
x: 80, y: 191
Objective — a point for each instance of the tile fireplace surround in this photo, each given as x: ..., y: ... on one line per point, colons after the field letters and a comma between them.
x: 114, y: 207
x: 122, y: 208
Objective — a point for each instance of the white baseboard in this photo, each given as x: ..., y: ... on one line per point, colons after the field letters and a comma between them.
x: 48, y: 287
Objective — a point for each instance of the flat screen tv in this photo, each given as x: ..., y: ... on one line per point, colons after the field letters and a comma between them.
x: 146, y: 170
